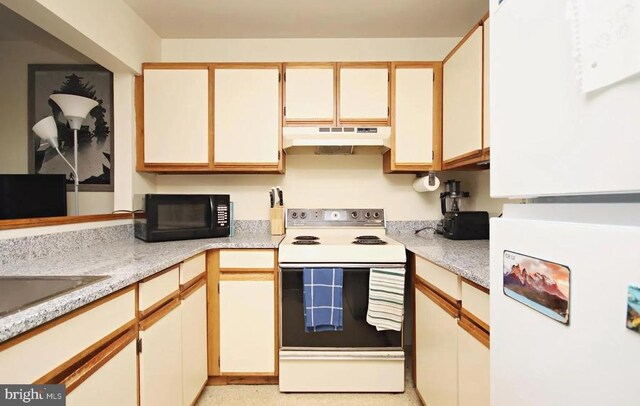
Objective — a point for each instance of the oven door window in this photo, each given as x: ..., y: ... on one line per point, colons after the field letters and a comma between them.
x: 356, y: 333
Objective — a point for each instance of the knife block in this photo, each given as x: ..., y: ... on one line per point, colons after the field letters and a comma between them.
x: 276, y: 215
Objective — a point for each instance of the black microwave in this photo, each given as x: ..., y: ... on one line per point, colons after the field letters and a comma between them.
x: 164, y: 217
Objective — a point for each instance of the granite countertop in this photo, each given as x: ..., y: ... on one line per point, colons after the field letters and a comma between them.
x: 126, y: 262
x: 469, y: 259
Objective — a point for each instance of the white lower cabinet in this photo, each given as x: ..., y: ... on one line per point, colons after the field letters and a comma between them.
x: 436, y: 351
x: 473, y: 371
x: 114, y: 383
x: 194, y: 343
x: 247, y: 322
x: 161, y: 357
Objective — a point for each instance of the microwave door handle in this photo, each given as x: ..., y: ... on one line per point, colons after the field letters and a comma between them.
x: 212, y: 212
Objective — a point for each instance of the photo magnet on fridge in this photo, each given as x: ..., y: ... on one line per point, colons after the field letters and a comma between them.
x: 633, y: 309
x: 542, y: 285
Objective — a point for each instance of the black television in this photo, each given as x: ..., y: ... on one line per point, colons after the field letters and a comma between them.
x: 27, y: 196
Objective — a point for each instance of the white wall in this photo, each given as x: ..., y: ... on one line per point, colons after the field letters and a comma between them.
x: 127, y: 181
x: 16, y: 55
x: 315, y: 181
x: 109, y: 32
x: 327, y: 181
x: 477, y: 184
x: 306, y: 49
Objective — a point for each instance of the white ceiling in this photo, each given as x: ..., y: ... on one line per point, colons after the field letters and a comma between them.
x: 309, y: 18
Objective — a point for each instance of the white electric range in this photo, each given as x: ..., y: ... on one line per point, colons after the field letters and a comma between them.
x: 359, y: 358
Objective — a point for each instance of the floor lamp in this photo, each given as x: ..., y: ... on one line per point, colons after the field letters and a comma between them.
x: 75, y: 109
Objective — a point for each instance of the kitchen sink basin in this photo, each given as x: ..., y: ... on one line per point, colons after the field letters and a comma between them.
x: 20, y: 292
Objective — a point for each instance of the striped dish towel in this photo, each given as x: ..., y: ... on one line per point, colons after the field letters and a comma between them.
x: 386, y: 298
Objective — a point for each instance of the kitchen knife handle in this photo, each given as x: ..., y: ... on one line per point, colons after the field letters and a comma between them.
x: 280, y: 197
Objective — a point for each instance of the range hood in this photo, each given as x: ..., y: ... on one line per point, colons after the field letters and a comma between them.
x: 336, y: 140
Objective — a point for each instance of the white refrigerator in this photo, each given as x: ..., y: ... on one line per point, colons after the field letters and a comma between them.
x: 565, y: 266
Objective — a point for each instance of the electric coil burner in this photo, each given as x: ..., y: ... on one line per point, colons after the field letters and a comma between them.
x: 359, y: 358
x: 306, y: 242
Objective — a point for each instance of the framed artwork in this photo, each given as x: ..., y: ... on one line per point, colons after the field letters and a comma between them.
x: 542, y: 285
x: 95, y: 138
x: 633, y: 308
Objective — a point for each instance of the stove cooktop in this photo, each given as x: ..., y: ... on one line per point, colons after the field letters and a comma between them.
x: 338, y: 236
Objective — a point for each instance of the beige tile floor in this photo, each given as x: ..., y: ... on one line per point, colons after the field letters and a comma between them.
x: 266, y: 395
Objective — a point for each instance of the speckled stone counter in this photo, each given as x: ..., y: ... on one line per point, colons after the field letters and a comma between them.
x: 126, y: 262
x: 469, y: 259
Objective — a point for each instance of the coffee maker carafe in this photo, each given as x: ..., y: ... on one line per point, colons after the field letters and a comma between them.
x: 450, y: 201
x: 450, y: 198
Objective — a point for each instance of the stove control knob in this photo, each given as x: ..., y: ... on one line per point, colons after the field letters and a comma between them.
x: 376, y: 214
x: 294, y: 215
x: 354, y: 214
x: 303, y: 215
x: 367, y: 215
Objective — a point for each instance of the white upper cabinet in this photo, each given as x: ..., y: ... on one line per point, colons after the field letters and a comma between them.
x: 309, y: 93
x: 548, y: 138
x: 176, y: 116
x: 462, y: 100
x: 416, y: 122
x: 364, y: 93
x: 486, y: 134
x: 247, y: 115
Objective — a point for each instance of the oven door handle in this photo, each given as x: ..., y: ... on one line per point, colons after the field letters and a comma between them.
x: 346, y: 267
x: 382, y: 355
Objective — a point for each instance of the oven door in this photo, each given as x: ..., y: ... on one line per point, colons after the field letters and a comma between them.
x: 357, y: 334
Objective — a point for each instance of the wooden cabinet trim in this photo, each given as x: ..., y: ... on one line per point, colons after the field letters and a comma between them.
x: 464, y: 159
x: 193, y: 287
x: 192, y: 281
x: 177, y: 167
x: 159, y: 314
x: 157, y: 274
x: 72, y: 381
x: 475, y: 331
x: 363, y: 120
x: 470, y: 316
x: 242, y: 380
x: 475, y: 285
x: 50, y: 324
x: 51, y: 376
x: 246, y: 270
x: 139, y: 110
x: 247, y: 276
x: 463, y: 40
x: 436, y: 298
x: 175, y: 65
x: 62, y: 220
x: 452, y: 301
x: 363, y: 65
x: 213, y: 314
x: 308, y: 122
x: 389, y: 158
x: 247, y: 65
x: 245, y: 167
x: 276, y: 316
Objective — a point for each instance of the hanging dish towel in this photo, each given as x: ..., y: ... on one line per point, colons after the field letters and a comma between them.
x: 322, y: 299
x: 386, y: 298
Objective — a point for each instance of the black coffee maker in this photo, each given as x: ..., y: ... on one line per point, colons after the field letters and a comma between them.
x: 457, y: 224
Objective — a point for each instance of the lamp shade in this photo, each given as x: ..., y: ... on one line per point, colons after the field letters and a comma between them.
x: 47, y: 130
x: 75, y: 108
